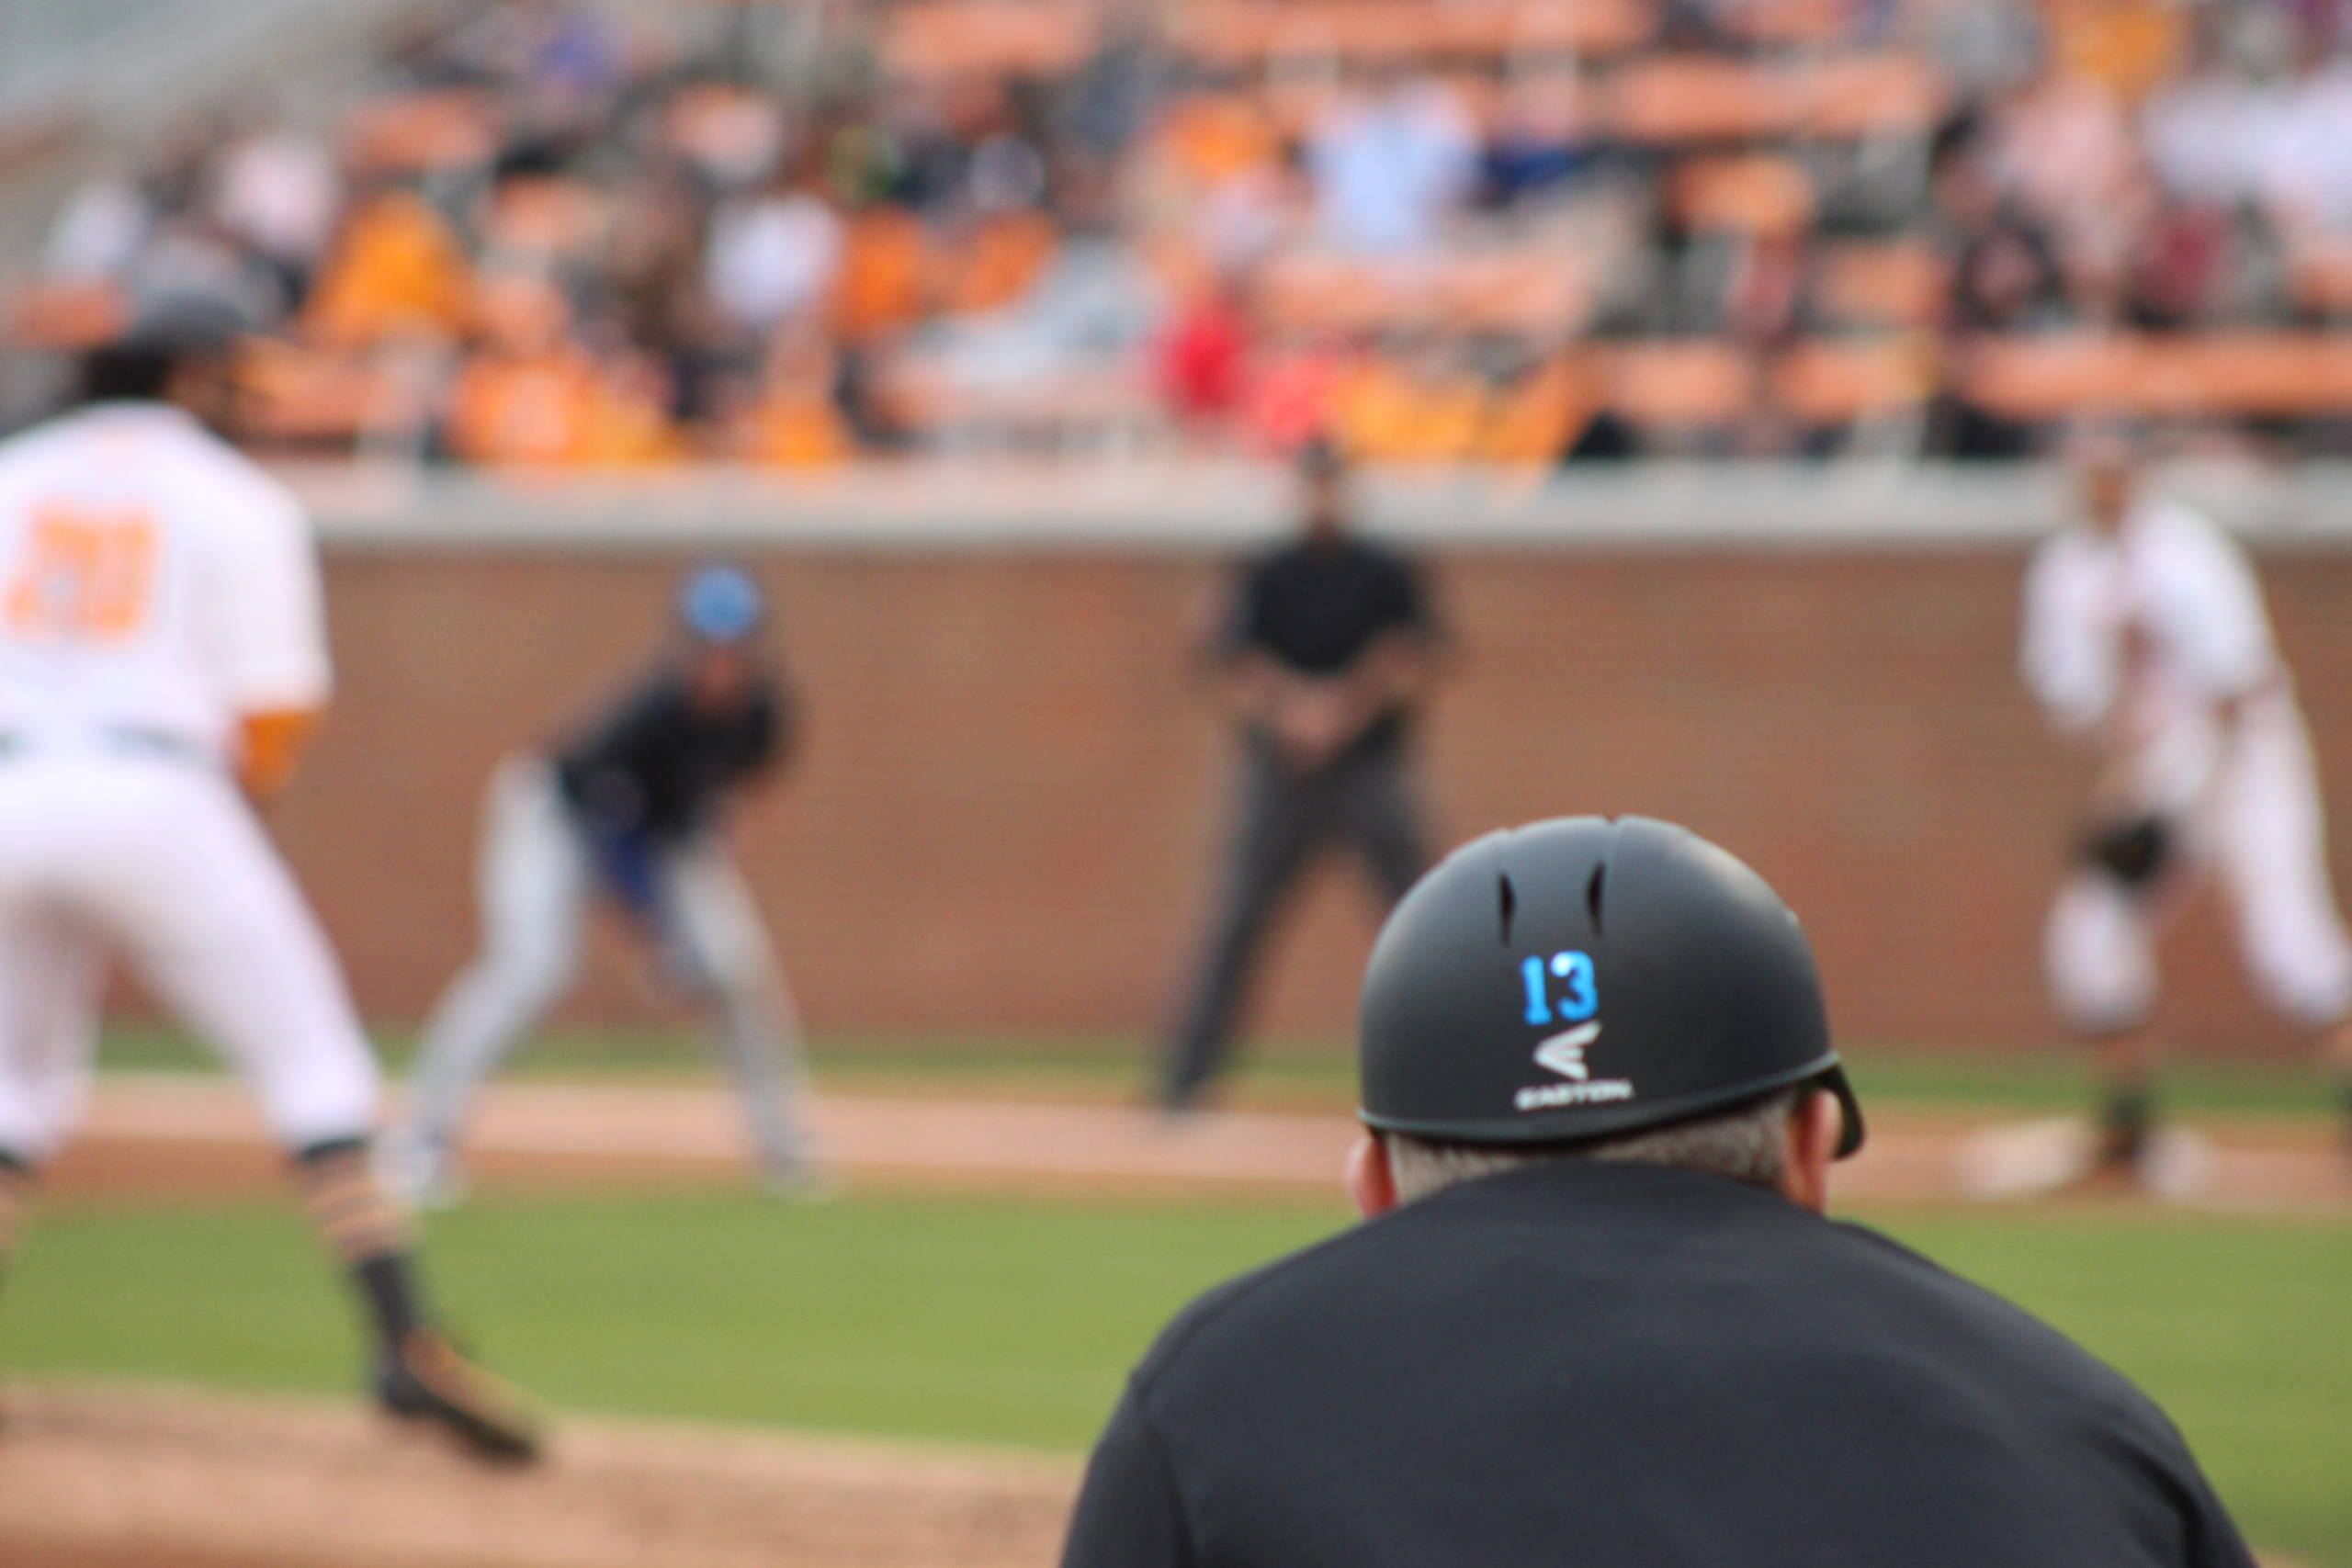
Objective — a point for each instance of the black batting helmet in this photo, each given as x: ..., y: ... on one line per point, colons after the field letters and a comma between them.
x: 1586, y: 978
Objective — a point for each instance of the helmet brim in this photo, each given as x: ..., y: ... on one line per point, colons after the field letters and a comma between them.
x: 1536, y: 1132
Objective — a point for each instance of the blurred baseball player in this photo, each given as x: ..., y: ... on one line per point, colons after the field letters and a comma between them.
x: 162, y: 658
x: 629, y: 809
x: 1326, y: 648
x: 2145, y: 636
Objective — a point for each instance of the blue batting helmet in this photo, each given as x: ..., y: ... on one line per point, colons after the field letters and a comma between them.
x: 720, y: 604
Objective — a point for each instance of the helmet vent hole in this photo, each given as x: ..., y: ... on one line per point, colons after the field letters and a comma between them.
x: 1594, y: 891
x: 1507, y: 901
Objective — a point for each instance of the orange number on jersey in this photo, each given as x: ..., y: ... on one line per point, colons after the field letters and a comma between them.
x: 86, y: 575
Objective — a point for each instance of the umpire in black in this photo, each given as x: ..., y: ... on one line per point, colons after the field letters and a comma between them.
x: 1596, y: 1316
x: 1324, y: 650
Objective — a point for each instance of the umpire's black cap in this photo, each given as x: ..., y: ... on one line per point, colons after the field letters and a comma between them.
x: 1585, y: 977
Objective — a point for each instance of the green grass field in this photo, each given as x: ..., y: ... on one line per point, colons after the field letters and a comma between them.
x: 1013, y: 1321
x: 1305, y: 1075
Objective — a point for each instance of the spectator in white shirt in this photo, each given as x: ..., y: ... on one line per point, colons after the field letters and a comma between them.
x: 772, y: 256
x: 1390, y: 164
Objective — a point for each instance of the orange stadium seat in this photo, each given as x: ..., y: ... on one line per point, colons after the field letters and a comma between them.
x: 420, y: 132
x: 1314, y: 292
x: 1239, y: 33
x: 1533, y: 291
x: 64, y: 315
x: 1871, y: 95
x: 1685, y: 99
x: 945, y: 38
x: 290, y: 396
x: 1681, y: 382
x: 1827, y: 381
x: 2252, y: 373
x: 1758, y: 193
x: 1790, y: 23
x: 2321, y: 274
x: 1591, y: 29
x: 1893, y: 283
x: 1675, y: 98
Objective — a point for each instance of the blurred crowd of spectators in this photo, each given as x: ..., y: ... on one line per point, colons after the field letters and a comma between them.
x: 1525, y: 232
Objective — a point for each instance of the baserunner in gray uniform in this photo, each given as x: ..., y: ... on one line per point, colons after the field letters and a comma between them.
x: 627, y: 810
x: 1326, y: 646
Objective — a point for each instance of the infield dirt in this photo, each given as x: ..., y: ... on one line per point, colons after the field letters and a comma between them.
x: 119, y: 1478
x: 190, y: 1135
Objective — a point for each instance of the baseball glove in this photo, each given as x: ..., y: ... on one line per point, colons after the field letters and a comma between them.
x: 2134, y: 851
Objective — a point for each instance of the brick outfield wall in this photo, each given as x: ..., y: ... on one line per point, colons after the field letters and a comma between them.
x: 1004, y: 816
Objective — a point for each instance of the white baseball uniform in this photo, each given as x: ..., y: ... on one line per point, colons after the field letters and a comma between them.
x: 155, y: 588
x: 2158, y: 639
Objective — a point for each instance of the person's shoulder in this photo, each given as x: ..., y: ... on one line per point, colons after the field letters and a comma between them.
x: 2070, y: 545
x: 2184, y: 549
x: 28, y: 449
x: 2065, y: 564
x: 1267, y: 560
x: 1225, y: 1327
x: 1994, y: 1334
x: 65, y: 438
x: 2168, y: 522
x: 232, y: 485
x: 662, y: 689
x: 1386, y: 554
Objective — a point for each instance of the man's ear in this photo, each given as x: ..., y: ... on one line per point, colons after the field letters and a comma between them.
x: 1371, y: 1182
x: 1816, y: 1124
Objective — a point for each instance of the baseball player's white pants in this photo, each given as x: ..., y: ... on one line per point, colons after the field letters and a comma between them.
x: 158, y: 859
x: 536, y: 882
x: 2262, y: 834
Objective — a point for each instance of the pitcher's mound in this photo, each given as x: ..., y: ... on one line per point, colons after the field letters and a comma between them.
x: 107, y: 1478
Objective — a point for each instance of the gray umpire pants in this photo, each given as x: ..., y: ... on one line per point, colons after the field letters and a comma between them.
x: 537, y: 882
x: 1281, y: 821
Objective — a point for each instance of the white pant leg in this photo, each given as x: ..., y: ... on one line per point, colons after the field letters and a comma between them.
x: 163, y: 859
x: 51, y: 971
x: 2270, y: 842
x: 724, y: 946
x: 2098, y: 954
x: 532, y: 881
x: 225, y: 939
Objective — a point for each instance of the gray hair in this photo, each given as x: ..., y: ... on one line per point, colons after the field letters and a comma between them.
x: 1748, y: 1144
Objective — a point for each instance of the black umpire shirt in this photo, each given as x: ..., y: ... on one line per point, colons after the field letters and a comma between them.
x: 1623, y: 1366
x: 657, y: 763
x: 1316, y: 606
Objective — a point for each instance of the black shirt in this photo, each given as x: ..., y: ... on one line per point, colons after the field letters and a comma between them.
x: 657, y: 763
x: 1316, y: 606
x: 1620, y: 1366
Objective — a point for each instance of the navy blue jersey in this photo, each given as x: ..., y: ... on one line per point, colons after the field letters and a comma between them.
x: 656, y: 764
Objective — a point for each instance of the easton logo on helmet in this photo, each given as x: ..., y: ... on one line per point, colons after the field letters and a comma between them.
x: 1563, y: 1054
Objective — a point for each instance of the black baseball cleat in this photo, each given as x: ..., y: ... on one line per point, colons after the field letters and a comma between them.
x: 424, y: 1379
